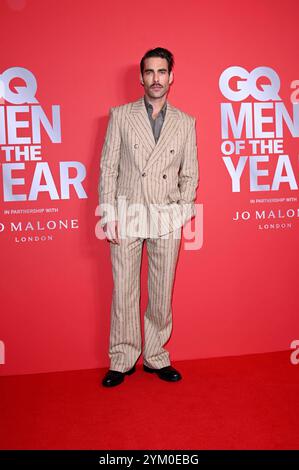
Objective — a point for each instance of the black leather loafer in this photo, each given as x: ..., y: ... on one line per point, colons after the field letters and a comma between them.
x: 114, y: 377
x: 168, y: 373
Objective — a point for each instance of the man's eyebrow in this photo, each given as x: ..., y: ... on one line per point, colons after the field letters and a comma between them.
x: 152, y: 70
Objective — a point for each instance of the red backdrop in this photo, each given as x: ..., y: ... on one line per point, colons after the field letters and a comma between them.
x: 235, y: 295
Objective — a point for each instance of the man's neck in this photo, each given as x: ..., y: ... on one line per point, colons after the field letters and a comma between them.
x: 156, y: 103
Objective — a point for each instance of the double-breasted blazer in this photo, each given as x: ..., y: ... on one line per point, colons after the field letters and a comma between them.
x: 160, y: 177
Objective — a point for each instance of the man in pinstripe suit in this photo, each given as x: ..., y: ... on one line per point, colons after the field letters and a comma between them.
x: 147, y: 188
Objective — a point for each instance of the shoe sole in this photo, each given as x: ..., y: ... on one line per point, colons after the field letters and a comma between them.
x: 169, y: 380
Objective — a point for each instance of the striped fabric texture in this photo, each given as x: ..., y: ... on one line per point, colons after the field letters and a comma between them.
x: 149, y: 188
x: 125, y: 330
x: 155, y: 182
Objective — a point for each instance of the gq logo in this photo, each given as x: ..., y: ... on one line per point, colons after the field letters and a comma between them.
x: 25, y: 94
x: 247, y: 85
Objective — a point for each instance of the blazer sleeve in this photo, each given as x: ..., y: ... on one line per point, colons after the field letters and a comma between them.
x: 189, y: 173
x: 109, y: 170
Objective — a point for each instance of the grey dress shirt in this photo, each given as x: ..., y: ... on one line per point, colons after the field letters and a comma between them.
x: 158, y: 121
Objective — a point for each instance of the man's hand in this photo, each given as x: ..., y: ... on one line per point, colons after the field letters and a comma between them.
x: 111, y: 231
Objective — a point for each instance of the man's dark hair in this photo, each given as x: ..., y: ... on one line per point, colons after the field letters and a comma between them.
x: 158, y: 52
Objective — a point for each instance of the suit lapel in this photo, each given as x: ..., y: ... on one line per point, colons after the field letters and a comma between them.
x: 140, y: 122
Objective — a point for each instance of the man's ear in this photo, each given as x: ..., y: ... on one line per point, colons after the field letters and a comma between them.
x: 171, y: 77
x: 141, y: 79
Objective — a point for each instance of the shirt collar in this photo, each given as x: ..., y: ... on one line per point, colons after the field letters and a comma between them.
x: 149, y: 106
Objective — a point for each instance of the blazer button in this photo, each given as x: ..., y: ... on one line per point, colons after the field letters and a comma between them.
x: 143, y: 174
x: 164, y: 176
x: 135, y: 146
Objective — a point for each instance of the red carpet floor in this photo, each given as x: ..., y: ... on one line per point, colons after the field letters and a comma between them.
x: 248, y: 402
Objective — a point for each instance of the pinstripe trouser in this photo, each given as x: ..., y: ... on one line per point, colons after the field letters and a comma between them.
x: 125, y: 344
